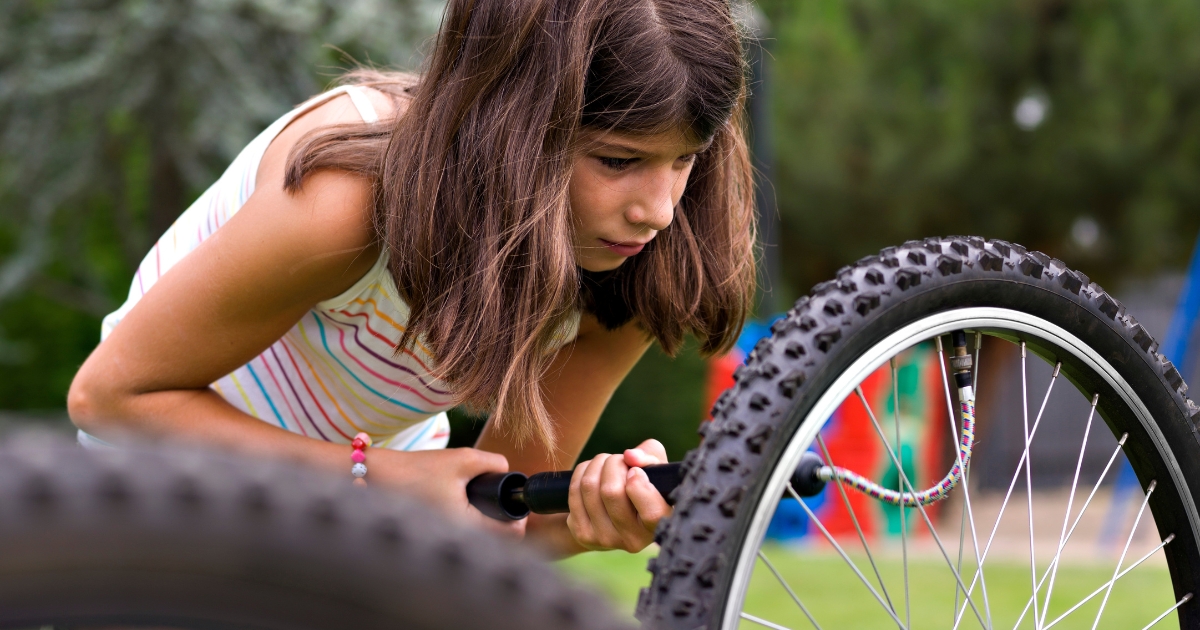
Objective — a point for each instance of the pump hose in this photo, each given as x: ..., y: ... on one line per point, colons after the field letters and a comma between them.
x: 930, y: 495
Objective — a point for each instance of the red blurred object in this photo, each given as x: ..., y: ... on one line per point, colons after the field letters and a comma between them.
x: 720, y: 377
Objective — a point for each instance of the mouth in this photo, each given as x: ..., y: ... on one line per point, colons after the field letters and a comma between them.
x: 624, y: 249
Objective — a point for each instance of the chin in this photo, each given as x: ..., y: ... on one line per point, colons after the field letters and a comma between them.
x: 600, y: 264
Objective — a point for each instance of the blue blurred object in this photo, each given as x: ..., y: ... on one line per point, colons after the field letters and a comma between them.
x: 1178, y: 344
x: 752, y: 332
x: 790, y: 523
x: 1177, y: 348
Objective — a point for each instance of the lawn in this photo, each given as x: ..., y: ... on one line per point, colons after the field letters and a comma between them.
x: 837, y: 599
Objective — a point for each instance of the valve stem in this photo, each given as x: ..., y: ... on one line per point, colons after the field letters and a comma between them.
x: 961, y: 363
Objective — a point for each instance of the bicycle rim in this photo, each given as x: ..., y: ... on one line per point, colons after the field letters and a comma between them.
x: 1037, y: 333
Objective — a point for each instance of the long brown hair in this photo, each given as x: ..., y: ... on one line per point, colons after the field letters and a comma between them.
x: 471, y: 183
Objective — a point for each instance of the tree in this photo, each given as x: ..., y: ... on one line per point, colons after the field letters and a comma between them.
x: 114, y: 114
x: 1024, y: 120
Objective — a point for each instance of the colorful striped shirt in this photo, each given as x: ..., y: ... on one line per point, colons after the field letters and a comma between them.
x: 336, y: 372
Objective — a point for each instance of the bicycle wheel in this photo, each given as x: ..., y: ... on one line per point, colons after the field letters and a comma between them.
x: 877, y: 313
x: 182, y: 539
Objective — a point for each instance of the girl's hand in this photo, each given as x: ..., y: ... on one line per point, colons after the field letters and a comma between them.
x: 440, y: 477
x: 613, y: 505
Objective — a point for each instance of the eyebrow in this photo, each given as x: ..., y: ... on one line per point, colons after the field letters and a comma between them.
x: 615, y: 146
x: 628, y: 149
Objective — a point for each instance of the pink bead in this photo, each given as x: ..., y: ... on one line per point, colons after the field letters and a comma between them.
x: 358, y: 456
x: 358, y: 444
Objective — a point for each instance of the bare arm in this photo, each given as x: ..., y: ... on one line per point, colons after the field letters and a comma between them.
x: 577, y: 387
x: 225, y: 302
x: 230, y: 299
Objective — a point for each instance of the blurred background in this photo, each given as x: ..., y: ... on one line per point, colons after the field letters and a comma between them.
x: 1070, y: 127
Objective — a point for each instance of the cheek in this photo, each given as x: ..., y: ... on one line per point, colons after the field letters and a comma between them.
x: 577, y: 196
x: 592, y: 203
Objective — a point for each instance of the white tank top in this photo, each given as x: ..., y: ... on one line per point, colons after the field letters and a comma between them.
x: 336, y: 372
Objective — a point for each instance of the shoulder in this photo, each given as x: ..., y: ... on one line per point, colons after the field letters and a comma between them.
x: 339, y: 110
x: 337, y: 197
x: 386, y: 105
x: 326, y: 228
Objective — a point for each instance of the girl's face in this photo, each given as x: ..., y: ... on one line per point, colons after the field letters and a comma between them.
x: 624, y: 190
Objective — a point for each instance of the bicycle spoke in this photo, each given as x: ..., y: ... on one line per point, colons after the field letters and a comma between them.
x: 829, y: 537
x: 905, y: 482
x: 962, y: 533
x: 857, y: 528
x: 1121, y: 560
x: 1029, y: 478
x: 1112, y: 581
x: 1011, y: 485
x: 762, y: 622
x: 967, y: 486
x: 975, y: 376
x: 1038, y: 602
x: 1008, y: 495
x: 1183, y: 600
x: 903, y: 516
x: 965, y: 481
x: 1067, y: 515
x: 788, y: 588
x: 1166, y: 541
x: 1078, y: 518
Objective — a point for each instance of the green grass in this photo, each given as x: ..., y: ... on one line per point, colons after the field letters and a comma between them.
x: 839, y: 600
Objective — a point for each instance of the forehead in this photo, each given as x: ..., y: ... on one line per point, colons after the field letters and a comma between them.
x: 669, y: 143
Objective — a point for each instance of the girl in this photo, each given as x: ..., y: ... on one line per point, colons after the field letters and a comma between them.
x: 566, y: 183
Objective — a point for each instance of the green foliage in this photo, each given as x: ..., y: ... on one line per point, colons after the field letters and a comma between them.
x: 53, y: 342
x: 114, y: 115
x: 895, y: 120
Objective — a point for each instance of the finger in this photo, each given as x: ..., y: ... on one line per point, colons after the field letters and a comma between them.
x: 655, y: 449
x: 506, y: 529
x: 606, y: 534
x: 650, y: 505
x: 617, y: 506
x: 513, y: 529
x: 578, y: 522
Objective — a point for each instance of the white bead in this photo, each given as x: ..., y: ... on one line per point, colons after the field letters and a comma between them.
x: 359, y: 470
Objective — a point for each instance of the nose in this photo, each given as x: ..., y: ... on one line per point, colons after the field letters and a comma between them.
x: 653, y: 205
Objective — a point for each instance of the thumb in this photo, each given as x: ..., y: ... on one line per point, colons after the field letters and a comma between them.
x: 647, y: 453
x: 473, y: 462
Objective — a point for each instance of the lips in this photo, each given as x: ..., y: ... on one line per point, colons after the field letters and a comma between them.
x: 624, y: 249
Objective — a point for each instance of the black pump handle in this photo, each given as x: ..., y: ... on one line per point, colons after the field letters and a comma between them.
x: 511, y: 496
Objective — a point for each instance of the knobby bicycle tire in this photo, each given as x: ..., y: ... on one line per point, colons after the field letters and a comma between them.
x: 825, y: 332
x: 187, y: 539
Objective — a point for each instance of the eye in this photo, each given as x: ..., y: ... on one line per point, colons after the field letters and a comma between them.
x: 617, y: 164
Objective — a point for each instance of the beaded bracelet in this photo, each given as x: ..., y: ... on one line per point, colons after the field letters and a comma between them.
x: 359, y: 456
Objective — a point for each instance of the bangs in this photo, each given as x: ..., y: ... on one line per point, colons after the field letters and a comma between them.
x: 648, y: 76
